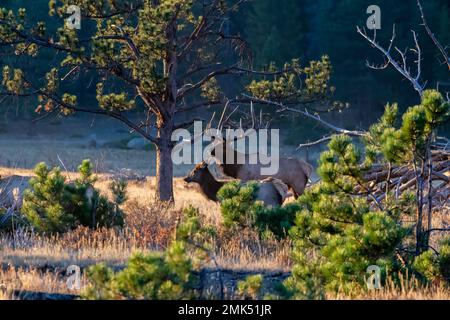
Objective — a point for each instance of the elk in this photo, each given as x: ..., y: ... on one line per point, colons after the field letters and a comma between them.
x: 295, y: 173
x: 272, y: 192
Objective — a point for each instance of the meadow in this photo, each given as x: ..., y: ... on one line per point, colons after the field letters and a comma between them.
x: 35, y: 263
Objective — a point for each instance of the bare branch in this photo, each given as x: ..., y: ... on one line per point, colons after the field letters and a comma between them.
x: 305, y: 113
x: 402, y: 69
x: 113, y: 114
x: 433, y: 37
x: 438, y: 229
x: 314, y: 143
x: 126, y: 38
x: 418, y: 51
x: 187, y: 88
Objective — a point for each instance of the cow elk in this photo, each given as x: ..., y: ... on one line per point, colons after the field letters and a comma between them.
x: 272, y: 192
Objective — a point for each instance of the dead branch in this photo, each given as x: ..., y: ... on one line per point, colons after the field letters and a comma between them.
x: 310, y: 144
x: 401, y: 67
x: 282, y: 108
x: 403, y: 178
x: 433, y: 37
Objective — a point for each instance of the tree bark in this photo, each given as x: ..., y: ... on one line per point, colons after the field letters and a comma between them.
x: 419, y: 194
x: 164, y: 165
x: 430, y: 190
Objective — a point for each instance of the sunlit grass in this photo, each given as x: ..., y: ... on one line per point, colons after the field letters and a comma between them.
x: 32, y: 262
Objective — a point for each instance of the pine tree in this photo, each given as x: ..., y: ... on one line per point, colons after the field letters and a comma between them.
x: 343, y: 227
x: 53, y: 205
x: 168, y: 275
x: 158, y: 57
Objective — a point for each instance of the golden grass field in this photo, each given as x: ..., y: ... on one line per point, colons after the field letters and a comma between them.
x: 30, y: 262
x: 37, y: 263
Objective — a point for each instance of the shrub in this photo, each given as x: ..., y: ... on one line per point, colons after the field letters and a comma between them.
x: 239, y: 209
x: 119, y: 190
x: 344, y: 226
x: 427, y: 265
x: 337, y: 233
x: 277, y: 220
x: 171, y: 274
x: 251, y: 287
x: 167, y: 275
x: 237, y: 203
x: 435, y: 266
x: 53, y: 205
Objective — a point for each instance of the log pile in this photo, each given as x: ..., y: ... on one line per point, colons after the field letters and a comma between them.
x: 399, y: 179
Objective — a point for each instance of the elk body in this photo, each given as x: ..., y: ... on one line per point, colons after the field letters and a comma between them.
x: 271, y: 192
x: 294, y: 172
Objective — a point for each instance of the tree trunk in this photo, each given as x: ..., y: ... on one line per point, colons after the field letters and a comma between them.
x: 419, y: 194
x: 430, y: 190
x: 164, y: 165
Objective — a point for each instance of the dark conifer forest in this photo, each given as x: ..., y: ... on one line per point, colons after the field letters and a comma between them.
x: 225, y: 150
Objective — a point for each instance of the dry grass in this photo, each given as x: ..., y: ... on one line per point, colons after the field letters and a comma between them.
x: 407, y: 288
x: 37, y: 263
x: 54, y: 281
x: 437, y: 292
x: 20, y: 280
x: 79, y: 247
x: 25, y: 256
x: 148, y: 227
x: 245, y: 250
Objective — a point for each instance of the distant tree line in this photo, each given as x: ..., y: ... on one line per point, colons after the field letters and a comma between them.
x: 279, y: 30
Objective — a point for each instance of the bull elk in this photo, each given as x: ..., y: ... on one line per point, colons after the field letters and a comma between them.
x: 294, y: 172
x: 272, y: 192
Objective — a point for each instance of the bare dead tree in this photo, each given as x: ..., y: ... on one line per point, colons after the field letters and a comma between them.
x: 423, y: 171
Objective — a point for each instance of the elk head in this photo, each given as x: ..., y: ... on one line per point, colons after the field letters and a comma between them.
x: 198, y: 173
x: 208, y: 182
